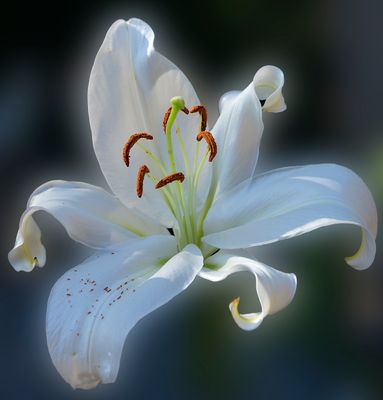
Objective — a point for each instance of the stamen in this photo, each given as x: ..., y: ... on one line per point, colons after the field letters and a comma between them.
x: 203, y: 113
x: 177, y: 176
x: 167, y: 115
x: 131, y: 142
x: 140, y: 179
x: 210, y: 142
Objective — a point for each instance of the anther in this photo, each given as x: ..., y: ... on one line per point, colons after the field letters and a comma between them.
x: 177, y: 176
x: 210, y: 142
x: 203, y: 113
x: 167, y: 115
x: 131, y: 142
x: 140, y: 179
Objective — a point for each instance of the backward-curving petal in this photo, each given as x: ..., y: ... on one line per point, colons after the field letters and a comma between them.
x: 130, y: 87
x: 275, y: 289
x: 291, y: 201
x: 89, y: 214
x: 92, y: 308
x: 238, y: 130
x: 268, y: 82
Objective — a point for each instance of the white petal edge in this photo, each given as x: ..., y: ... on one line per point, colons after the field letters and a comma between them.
x: 268, y: 82
x: 275, y: 289
x: 292, y: 201
x: 227, y: 98
x: 92, y: 308
x: 89, y: 214
x: 129, y: 91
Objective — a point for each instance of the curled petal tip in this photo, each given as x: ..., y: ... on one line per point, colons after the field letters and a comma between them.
x: 247, y: 322
x: 268, y: 82
x: 28, y: 251
x: 365, y: 255
x: 234, y: 303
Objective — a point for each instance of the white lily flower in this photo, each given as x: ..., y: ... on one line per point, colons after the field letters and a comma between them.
x: 204, y: 191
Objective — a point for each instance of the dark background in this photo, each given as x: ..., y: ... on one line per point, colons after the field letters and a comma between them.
x: 328, y: 344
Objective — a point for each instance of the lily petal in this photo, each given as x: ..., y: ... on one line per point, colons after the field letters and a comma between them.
x: 130, y: 87
x: 268, y: 82
x: 275, y: 289
x: 227, y: 98
x: 238, y: 130
x: 291, y: 201
x: 89, y: 214
x: 92, y: 308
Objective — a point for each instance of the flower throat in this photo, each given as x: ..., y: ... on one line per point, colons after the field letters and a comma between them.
x: 182, y: 205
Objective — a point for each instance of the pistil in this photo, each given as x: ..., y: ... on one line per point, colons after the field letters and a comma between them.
x: 178, y: 104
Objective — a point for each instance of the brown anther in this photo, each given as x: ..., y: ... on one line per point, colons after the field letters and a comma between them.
x: 131, y: 142
x: 166, y: 118
x: 167, y: 115
x: 210, y: 142
x: 140, y: 179
x: 203, y: 113
x: 177, y: 176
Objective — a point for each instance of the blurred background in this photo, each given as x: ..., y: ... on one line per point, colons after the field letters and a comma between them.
x: 328, y: 344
